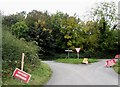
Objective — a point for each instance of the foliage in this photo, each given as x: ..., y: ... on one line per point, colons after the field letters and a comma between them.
x: 14, y: 18
x: 106, y: 10
x: 53, y: 33
x: 117, y: 67
x: 20, y: 29
x: 12, y: 50
x: 39, y: 76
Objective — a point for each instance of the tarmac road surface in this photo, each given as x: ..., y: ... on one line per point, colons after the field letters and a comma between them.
x: 81, y: 74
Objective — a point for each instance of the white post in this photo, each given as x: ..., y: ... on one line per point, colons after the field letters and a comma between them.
x: 78, y: 50
x: 22, y: 62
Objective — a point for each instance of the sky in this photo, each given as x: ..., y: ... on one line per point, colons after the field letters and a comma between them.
x: 80, y: 7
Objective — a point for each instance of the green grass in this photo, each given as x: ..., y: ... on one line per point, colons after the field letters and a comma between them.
x: 38, y: 77
x: 116, y: 67
x: 75, y: 61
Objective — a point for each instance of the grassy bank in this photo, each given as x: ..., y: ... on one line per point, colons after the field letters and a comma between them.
x: 38, y: 77
x: 12, y: 49
x: 117, y: 67
x: 75, y: 60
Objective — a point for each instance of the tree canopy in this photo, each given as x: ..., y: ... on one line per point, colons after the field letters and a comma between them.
x: 54, y: 33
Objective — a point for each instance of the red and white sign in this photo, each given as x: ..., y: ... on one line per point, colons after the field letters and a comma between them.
x: 117, y: 56
x: 110, y: 62
x: 21, y: 75
x: 77, y: 49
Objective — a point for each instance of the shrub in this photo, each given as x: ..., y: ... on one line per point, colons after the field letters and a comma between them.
x: 20, y: 29
x: 12, y: 50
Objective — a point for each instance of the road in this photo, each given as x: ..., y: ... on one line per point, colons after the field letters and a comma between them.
x: 80, y: 74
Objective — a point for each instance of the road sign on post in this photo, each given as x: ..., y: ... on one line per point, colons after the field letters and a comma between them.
x: 68, y: 52
x: 19, y: 74
x: 78, y: 50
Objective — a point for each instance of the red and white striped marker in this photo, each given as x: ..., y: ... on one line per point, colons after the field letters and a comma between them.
x: 110, y: 63
x: 77, y: 49
x: 117, y: 56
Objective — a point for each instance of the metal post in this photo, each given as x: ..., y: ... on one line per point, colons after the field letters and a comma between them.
x: 78, y: 54
x: 68, y: 53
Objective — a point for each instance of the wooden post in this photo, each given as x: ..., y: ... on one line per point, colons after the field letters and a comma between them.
x: 22, y: 62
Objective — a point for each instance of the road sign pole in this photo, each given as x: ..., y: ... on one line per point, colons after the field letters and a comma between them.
x: 78, y: 54
x: 68, y: 53
x: 78, y: 50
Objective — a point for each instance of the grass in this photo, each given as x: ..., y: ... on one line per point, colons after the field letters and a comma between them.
x: 116, y: 67
x: 76, y: 61
x: 38, y: 77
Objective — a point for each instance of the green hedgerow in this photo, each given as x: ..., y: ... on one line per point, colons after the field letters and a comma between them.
x: 12, y: 49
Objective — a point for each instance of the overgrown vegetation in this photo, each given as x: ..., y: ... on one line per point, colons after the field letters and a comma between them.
x: 40, y: 76
x: 117, y: 67
x: 11, y: 55
x: 76, y: 60
x: 54, y: 33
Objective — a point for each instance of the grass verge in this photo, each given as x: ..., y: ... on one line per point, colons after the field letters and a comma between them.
x: 38, y: 77
x: 76, y: 61
x: 116, y: 67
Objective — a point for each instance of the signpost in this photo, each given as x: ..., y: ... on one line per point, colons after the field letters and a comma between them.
x: 78, y: 50
x: 68, y: 52
x: 21, y: 75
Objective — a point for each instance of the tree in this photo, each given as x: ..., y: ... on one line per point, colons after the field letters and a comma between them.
x: 69, y: 30
x: 105, y: 15
x: 20, y: 29
x: 56, y: 26
x: 14, y: 18
x: 106, y: 10
x: 91, y: 35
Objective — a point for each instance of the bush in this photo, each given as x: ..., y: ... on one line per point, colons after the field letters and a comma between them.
x: 117, y: 67
x: 12, y: 50
x: 20, y: 29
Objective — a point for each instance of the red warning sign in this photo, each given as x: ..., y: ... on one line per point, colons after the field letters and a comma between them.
x: 21, y: 75
x: 110, y: 62
x: 117, y: 56
x: 77, y: 49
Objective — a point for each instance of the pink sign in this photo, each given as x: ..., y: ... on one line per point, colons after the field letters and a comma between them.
x: 21, y: 75
x: 110, y: 62
x: 117, y: 56
x: 77, y: 49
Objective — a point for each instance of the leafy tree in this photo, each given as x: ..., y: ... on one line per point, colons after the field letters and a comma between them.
x: 69, y: 28
x: 56, y: 26
x: 14, y: 18
x: 20, y: 29
x: 91, y: 34
x: 106, y: 10
x: 105, y: 15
